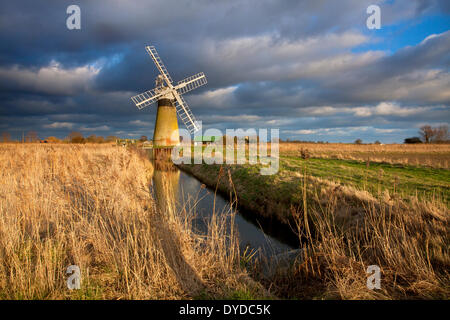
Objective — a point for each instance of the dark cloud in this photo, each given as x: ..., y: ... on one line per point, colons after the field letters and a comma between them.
x: 287, y: 64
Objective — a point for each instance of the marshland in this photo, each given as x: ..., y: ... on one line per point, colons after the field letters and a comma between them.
x: 348, y: 206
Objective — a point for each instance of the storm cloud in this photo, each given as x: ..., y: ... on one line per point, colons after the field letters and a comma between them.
x: 310, y: 68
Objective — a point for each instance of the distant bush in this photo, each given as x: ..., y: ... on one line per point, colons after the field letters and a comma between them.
x: 78, y: 140
x: 358, y: 141
x: 5, y: 137
x: 76, y: 137
x: 52, y: 139
x: 112, y: 138
x: 92, y: 138
x: 413, y: 140
x: 305, y: 154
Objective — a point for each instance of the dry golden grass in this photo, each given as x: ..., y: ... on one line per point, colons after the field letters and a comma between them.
x: 346, y: 233
x: 344, y: 229
x: 432, y: 155
x: 90, y: 206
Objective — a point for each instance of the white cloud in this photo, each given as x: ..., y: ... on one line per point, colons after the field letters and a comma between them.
x: 377, y: 130
x: 305, y: 131
x: 238, y: 118
x: 430, y: 85
x: 320, y: 111
x: 382, y: 109
x: 342, y: 131
x: 387, y: 109
x: 270, y: 57
x: 334, y: 65
x: 347, y: 132
x: 52, y: 79
x: 362, y: 111
x: 271, y: 46
x: 217, y: 98
x: 59, y: 125
x: 140, y: 123
x: 431, y: 36
x: 278, y: 122
x: 99, y: 128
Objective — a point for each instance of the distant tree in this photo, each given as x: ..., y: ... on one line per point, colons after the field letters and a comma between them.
x: 92, y: 138
x: 441, y: 134
x: 377, y: 142
x: 358, y: 141
x: 6, y: 136
x: 52, y: 139
x: 100, y: 139
x: 76, y: 137
x: 111, y: 138
x: 431, y: 134
x: 31, y: 136
x: 413, y: 140
x: 427, y: 133
x: 143, y: 139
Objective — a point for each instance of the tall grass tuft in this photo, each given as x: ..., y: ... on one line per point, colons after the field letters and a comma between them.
x: 408, y: 241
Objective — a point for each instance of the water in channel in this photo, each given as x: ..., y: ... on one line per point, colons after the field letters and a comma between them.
x: 176, y: 188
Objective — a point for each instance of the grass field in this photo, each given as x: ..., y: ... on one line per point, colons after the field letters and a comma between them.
x: 398, y: 180
x: 273, y: 195
x: 430, y: 155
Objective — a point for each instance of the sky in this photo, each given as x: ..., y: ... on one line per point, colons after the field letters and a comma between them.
x: 311, y: 69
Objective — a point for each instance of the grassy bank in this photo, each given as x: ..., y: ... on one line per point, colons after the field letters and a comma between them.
x: 90, y: 206
x: 274, y: 196
x: 352, y: 215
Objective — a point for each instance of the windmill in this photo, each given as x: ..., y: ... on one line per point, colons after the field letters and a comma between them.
x: 170, y: 103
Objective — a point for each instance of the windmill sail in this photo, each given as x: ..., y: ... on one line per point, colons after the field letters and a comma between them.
x: 191, y: 83
x: 186, y: 114
x: 159, y: 64
x: 147, y: 98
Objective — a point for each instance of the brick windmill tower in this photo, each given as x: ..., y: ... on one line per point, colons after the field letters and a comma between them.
x: 170, y: 103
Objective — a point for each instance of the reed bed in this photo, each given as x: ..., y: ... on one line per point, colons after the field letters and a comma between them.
x: 343, y: 233
x: 91, y: 206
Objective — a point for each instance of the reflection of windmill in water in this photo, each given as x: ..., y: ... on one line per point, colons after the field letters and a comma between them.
x: 170, y: 103
x: 166, y: 179
x: 165, y: 190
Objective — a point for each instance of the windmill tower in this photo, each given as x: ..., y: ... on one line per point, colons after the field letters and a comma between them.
x: 170, y: 103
